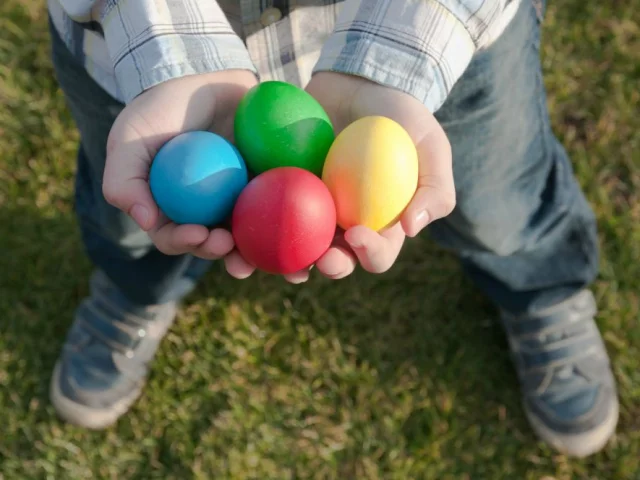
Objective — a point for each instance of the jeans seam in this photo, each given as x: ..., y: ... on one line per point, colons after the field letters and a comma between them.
x: 542, y: 106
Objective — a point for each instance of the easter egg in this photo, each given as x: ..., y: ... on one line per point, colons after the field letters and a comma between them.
x: 280, y: 125
x: 196, y: 177
x: 284, y: 220
x: 371, y: 171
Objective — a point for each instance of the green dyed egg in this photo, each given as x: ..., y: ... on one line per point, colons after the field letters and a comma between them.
x: 280, y: 125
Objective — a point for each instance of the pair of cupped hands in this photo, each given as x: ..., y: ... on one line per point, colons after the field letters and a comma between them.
x: 208, y: 102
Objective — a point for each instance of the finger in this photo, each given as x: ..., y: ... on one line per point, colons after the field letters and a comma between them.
x: 435, y: 197
x: 297, y: 277
x: 338, y: 262
x: 218, y: 244
x: 125, y: 184
x: 237, y: 266
x: 376, y: 252
x: 173, y: 239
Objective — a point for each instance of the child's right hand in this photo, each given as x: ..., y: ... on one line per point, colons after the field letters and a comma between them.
x: 197, y: 102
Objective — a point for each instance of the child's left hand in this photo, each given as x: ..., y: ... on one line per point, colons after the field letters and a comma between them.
x: 347, y: 98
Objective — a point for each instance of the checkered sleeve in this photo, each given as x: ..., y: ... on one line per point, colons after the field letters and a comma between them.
x: 421, y: 47
x: 151, y: 41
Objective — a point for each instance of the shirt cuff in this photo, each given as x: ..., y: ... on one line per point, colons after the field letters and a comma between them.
x: 149, y: 45
x: 420, y: 48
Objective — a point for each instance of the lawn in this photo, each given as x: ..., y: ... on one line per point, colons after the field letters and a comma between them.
x: 398, y: 376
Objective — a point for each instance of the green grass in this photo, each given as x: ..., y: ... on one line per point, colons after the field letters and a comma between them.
x: 399, y: 376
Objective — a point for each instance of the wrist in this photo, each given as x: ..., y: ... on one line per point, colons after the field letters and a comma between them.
x: 335, y: 92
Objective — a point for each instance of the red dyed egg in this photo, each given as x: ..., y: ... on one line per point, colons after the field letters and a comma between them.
x: 284, y: 220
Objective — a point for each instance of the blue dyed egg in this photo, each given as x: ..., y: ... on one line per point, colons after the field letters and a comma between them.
x: 196, y: 177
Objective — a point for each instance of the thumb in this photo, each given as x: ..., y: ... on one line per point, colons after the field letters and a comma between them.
x: 368, y: 247
x: 125, y: 183
x: 435, y: 196
x: 376, y: 252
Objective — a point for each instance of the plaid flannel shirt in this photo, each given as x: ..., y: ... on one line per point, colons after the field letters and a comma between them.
x: 421, y: 47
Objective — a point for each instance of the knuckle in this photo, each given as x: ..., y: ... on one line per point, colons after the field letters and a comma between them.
x: 444, y: 204
x: 162, y: 247
x: 110, y: 193
x: 208, y: 255
x: 449, y: 202
x: 378, y: 267
x: 348, y: 271
x: 385, y: 267
x: 341, y: 274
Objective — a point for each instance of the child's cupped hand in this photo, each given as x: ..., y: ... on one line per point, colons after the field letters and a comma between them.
x: 347, y: 98
x: 197, y: 102
x: 208, y: 102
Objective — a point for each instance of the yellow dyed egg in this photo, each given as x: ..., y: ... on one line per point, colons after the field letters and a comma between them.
x: 371, y: 171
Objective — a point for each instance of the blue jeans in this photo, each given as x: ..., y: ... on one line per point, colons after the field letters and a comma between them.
x: 522, y: 228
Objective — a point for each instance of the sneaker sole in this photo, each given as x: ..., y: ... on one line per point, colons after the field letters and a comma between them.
x: 577, y: 445
x: 83, y: 416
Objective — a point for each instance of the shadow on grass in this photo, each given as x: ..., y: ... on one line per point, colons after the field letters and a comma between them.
x: 418, y: 334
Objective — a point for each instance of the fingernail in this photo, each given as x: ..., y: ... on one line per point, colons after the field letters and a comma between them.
x: 421, y: 220
x: 140, y: 214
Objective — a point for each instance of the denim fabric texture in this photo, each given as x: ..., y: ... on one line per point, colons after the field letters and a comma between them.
x: 522, y: 227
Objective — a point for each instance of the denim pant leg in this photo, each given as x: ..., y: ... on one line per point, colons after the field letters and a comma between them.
x: 112, y: 240
x: 522, y: 227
